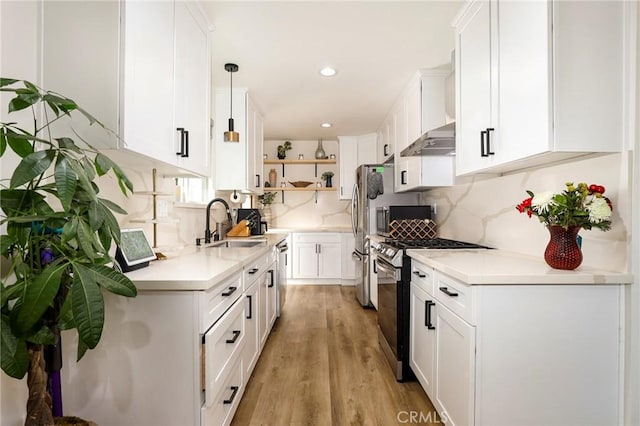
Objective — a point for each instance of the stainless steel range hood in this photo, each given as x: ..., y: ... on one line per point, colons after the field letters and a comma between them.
x: 439, y: 141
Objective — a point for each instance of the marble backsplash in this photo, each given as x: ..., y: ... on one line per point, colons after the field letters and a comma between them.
x: 482, y: 210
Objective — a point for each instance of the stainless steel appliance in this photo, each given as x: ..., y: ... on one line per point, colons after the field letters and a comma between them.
x: 373, y: 188
x: 394, y: 278
x: 386, y: 215
x: 281, y: 288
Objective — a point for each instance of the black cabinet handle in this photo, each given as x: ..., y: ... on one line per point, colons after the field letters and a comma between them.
x: 181, y: 130
x: 259, y: 184
x: 236, y: 334
x: 271, y: 283
x: 375, y: 266
x: 186, y: 144
x: 403, y: 177
x: 483, y: 152
x: 253, y: 271
x: 418, y: 273
x: 446, y: 291
x: 385, y: 149
x: 230, y: 292
x: 489, y: 130
x: 250, y: 307
x: 427, y: 314
x: 234, y: 392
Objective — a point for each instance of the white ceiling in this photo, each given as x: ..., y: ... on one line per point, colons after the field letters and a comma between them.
x: 280, y: 47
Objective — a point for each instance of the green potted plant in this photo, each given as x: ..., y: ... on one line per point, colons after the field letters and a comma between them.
x: 58, y: 232
x: 282, y: 150
x: 326, y: 176
x: 266, y: 198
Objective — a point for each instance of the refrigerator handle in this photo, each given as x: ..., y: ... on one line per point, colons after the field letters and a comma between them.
x: 355, y: 196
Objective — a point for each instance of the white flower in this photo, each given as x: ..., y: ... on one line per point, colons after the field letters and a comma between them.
x: 541, y: 201
x: 599, y: 210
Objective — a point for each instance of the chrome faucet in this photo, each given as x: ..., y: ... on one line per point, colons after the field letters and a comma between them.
x: 207, y: 232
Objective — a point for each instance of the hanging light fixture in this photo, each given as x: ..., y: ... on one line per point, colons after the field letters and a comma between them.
x: 231, y: 135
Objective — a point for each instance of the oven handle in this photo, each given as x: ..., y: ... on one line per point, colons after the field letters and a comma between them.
x: 389, y: 269
x: 356, y: 255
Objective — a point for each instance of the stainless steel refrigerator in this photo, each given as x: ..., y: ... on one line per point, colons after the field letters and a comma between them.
x: 369, y: 192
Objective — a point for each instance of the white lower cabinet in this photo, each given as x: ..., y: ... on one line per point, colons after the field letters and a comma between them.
x: 317, y: 255
x: 252, y: 330
x: 517, y: 354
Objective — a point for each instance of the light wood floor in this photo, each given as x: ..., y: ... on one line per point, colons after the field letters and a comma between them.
x: 322, y: 365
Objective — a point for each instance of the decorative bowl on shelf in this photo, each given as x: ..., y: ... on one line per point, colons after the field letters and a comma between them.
x: 300, y: 183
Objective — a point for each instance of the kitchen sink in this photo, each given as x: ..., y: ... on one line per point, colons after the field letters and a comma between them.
x: 239, y: 243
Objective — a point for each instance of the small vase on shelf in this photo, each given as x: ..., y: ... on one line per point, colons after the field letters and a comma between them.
x: 563, y: 251
x: 273, y: 177
x: 320, y: 154
x: 329, y: 183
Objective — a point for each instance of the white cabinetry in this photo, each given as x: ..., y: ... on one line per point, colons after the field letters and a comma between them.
x: 386, y: 138
x: 472, y: 346
x: 524, y: 78
x: 354, y: 151
x: 317, y: 255
x: 238, y: 164
x: 421, y: 107
x: 142, y: 68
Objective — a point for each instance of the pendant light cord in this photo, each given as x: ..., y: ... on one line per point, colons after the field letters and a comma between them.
x: 231, y: 95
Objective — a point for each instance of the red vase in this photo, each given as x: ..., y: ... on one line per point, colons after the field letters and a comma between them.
x: 563, y: 251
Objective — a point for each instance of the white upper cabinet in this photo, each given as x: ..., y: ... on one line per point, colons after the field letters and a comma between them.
x: 354, y: 151
x: 538, y: 81
x: 238, y: 164
x: 421, y: 108
x: 142, y: 68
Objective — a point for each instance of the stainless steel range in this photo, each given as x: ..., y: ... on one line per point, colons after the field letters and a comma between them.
x: 394, y: 278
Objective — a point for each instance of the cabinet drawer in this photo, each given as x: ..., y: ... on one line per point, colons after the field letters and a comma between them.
x: 256, y: 268
x: 454, y: 295
x: 215, y: 301
x: 422, y: 276
x: 222, y: 345
x: 317, y: 237
x: 222, y: 408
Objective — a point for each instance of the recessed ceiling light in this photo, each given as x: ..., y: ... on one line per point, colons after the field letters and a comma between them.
x: 326, y: 125
x: 328, y: 72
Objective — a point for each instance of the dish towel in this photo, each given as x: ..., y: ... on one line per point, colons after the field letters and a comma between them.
x: 375, y: 185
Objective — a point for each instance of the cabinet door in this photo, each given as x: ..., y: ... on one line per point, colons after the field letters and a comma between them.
x: 148, y: 125
x: 401, y: 168
x: 348, y: 146
x: 252, y: 330
x: 251, y: 169
x: 270, y: 314
x: 367, y: 145
x: 192, y: 76
x: 263, y: 302
x: 258, y: 125
x: 455, y: 367
x: 385, y: 139
x: 329, y: 260
x: 305, y: 260
x: 473, y: 88
x: 373, y: 279
x: 422, y: 340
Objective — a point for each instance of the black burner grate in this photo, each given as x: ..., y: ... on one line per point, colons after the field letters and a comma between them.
x: 433, y: 243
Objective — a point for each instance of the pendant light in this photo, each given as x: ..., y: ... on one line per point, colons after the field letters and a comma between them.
x: 231, y: 135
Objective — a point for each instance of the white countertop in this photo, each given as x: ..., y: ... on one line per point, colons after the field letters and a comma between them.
x: 339, y: 229
x: 199, y: 268
x: 503, y: 267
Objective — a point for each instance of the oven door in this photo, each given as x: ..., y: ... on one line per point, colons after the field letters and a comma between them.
x: 382, y: 221
x: 388, y: 281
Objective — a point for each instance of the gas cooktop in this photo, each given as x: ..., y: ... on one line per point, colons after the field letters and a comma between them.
x: 433, y: 243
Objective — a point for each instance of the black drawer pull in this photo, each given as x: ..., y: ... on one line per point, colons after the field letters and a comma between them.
x: 253, y: 271
x: 418, y: 273
x: 186, y: 144
x: 489, y: 130
x: 403, y: 177
x: 427, y: 314
x: 271, y: 280
x: 230, y: 292
x: 483, y: 152
x: 250, y: 306
x: 446, y: 291
x: 234, y: 392
x: 385, y: 149
x: 236, y: 334
x: 375, y: 266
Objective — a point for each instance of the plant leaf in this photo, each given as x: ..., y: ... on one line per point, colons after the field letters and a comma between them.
x: 44, y: 336
x: 82, y: 349
x: 123, y: 181
x: 10, y: 292
x: 103, y: 164
x: 87, y: 305
x: 7, y: 81
x: 20, y: 144
x: 14, y: 357
x: 96, y: 218
x: 65, y: 316
x: 88, y: 167
x: 113, y: 206
x: 69, y: 230
x: 32, y: 166
x: 85, y: 238
x: 38, y: 295
x: 85, y: 183
x: 66, y: 181
x: 68, y: 143
x: 114, y: 281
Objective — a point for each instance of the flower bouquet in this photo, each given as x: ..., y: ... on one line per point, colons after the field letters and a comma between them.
x: 564, y: 214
